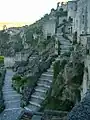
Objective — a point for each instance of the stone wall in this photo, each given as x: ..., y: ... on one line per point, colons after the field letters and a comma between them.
x: 71, y: 8
x: 88, y: 16
x: 81, y: 17
x: 61, y: 19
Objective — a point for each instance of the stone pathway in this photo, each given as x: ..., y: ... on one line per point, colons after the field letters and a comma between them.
x: 12, y: 99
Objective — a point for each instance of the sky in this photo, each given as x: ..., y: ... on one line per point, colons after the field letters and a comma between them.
x: 18, y: 12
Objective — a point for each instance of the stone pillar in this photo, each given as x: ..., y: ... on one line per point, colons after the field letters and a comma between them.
x: 84, y: 84
x: 57, y: 46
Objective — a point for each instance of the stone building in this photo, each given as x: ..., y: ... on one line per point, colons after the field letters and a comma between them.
x: 63, y: 6
x: 49, y: 28
x: 79, y: 10
x: 49, y: 25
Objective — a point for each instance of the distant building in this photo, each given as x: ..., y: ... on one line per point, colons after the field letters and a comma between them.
x: 49, y: 25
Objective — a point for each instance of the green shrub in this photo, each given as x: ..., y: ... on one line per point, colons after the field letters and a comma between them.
x: 1, y: 59
x: 57, y: 104
x: 16, y: 77
x: 2, y: 74
x: 18, y: 82
x: 63, y: 63
x: 56, y: 68
x: 77, y: 79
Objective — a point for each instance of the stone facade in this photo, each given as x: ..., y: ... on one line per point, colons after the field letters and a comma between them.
x: 49, y: 28
x: 79, y: 10
x: 63, y: 5
x: 71, y: 6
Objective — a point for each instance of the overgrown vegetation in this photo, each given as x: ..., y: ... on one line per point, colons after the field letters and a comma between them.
x: 25, y: 85
x: 1, y: 60
x: 65, y: 89
x: 56, y: 68
x: 2, y: 75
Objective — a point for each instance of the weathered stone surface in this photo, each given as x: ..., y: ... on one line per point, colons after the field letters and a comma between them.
x: 81, y: 111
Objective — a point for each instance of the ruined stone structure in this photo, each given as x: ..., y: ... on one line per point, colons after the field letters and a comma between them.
x: 50, y: 25
x: 63, y: 6
x: 49, y: 28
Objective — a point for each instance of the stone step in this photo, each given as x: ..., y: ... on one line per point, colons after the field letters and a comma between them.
x: 64, y: 50
x: 31, y: 108
x: 9, y: 95
x: 46, y: 83
x: 50, y: 70
x: 7, y: 87
x: 44, y: 79
x: 9, y: 92
x: 34, y: 103
x: 65, y: 46
x: 39, y: 94
x: 43, y: 85
x: 14, y: 101
x: 51, y: 67
x: 12, y: 109
x: 40, y: 90
x: 11, y: 98
x: 37, y: 97
x: 7, y: 84
x: 47, y: 76
x: 49, y: 73
x: 36, y: 117
x: 65, y: 42
x: 12, y: 104
x: 36, y: 100
x: 5, y: 90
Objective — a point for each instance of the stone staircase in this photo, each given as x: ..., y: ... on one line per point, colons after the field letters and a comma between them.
x: 45, y: 81
x: 42, y: 87
x: 65, y: 44
x: 11, y: 99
